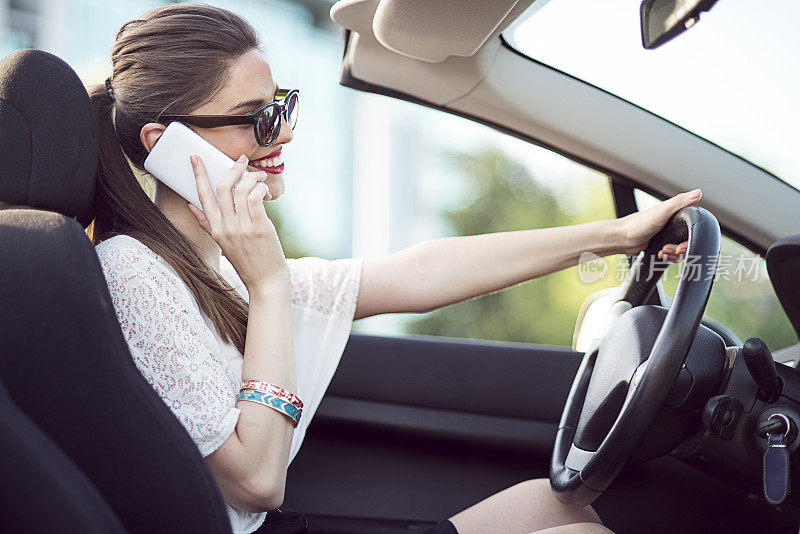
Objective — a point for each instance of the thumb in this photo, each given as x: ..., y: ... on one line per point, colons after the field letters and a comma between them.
x: 671, y: 205
x: 688, y: 198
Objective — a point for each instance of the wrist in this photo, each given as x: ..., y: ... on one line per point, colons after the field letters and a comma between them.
x: 275, y: 287
x: 613, y: 238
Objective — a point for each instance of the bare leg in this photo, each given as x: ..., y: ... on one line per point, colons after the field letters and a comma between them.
x: 576, y: 528
x: 526, y: 507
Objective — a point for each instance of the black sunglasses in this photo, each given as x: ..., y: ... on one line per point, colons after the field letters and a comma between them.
x: 266, y: 120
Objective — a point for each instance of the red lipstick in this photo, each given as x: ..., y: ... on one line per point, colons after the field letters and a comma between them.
x: 272, y: 170
x: 272, y: 155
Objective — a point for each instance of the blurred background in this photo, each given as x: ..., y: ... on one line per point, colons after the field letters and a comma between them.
x: 367, y: 176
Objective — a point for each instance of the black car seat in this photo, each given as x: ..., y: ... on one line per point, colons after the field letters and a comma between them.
x: 63, y: 358
x: 42, y: 490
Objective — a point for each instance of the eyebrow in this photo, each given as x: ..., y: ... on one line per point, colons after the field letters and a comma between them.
x: 256, y: 103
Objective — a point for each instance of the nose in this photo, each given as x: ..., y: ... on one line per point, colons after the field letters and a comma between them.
x: 285, y: 134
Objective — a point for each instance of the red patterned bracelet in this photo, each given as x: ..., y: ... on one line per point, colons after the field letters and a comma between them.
x: 272, y: 389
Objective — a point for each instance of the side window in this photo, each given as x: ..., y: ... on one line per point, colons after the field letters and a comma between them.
x: 742, y: 298
x: 494, y: 184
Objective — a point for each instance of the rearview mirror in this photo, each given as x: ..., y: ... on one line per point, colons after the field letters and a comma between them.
x: 664, y: 19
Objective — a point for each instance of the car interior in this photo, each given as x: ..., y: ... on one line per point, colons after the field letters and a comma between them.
x: 663, y: 421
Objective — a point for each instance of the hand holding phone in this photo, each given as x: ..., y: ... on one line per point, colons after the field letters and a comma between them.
x: 238, y: 222
x: 169, y: 161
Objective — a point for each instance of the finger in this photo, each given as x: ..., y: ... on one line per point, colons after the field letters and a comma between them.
x: 240, y: 194
x: 255, y: 200
x: 201, y: 217
x: 678, y: 202
x: 687, y: 198
x: 225, y: 185
x: 207, y: 200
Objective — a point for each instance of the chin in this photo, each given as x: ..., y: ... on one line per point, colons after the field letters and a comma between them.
x: 276, y: 186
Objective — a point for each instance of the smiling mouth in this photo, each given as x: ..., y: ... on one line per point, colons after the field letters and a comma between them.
x: 271, y: 163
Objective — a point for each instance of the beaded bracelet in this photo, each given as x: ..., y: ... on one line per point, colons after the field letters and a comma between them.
x: 272, y: 389
x: 273, y: 402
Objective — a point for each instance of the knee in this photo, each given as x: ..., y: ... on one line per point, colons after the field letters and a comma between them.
x: 592, y: 528
x: 539, y: 487
x: 539, y: 490
x: 575, y: 528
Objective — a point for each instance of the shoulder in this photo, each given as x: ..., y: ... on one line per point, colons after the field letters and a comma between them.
x: 123, y: 248
x: 329, y: 286
x: 122, y: 245
x: 319, y: 270
x: 125, y: 259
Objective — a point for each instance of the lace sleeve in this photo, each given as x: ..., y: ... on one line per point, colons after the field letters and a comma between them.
x: 328, y: 286
x: 169, y: 341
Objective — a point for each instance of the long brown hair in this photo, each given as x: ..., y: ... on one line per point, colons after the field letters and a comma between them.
x: 172, y: 59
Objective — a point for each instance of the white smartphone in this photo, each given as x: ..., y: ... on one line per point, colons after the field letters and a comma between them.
x: 169, y: 161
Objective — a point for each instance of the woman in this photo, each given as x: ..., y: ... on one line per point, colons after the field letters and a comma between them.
x: 199, y: 324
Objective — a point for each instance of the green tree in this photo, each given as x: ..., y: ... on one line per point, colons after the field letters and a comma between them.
x: 744, y: 302
x: 507, y: 198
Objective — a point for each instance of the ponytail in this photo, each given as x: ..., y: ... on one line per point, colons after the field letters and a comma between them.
x: 118, y: 194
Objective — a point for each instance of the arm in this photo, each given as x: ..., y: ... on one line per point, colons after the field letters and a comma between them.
x: 250, y: 466
x: 448, y: 270
x: 436, y: 273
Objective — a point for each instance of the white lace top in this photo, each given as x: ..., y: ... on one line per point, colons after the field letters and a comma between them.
x: 177, y: 349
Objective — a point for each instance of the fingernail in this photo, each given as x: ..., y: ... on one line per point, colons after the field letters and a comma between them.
x: 242, y: 159
x: 193, y: 159
x: 695, y: 194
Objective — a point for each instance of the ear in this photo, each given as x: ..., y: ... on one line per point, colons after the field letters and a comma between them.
x: 150, y: 134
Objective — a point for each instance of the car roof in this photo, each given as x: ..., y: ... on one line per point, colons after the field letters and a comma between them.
x: 447, y: 57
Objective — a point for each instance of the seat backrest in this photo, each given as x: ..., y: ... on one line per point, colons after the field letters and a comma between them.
x: 35, y: 474
x: 66, y: 364
x: 64, y: 359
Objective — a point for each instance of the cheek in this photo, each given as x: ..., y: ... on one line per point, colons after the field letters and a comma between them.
x: 234, y: 142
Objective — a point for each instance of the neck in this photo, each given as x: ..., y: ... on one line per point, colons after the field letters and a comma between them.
x: 175, y: 208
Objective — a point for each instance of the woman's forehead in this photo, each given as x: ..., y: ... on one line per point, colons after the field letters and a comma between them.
x: 250, y: 83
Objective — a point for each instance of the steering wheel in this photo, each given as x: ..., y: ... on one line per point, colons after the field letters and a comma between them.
x: 620, y: 387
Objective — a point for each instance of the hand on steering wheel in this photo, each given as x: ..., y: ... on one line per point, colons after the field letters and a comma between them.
x: 640, y: 227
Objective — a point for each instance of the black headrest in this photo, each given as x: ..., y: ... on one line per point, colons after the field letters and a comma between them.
x: 48, y: 136
x: 783, y: 266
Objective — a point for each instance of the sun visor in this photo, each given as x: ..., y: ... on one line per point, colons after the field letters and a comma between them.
x: 425, y: 30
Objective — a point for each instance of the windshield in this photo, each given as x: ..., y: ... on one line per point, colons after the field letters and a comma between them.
x: 732, y: 78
